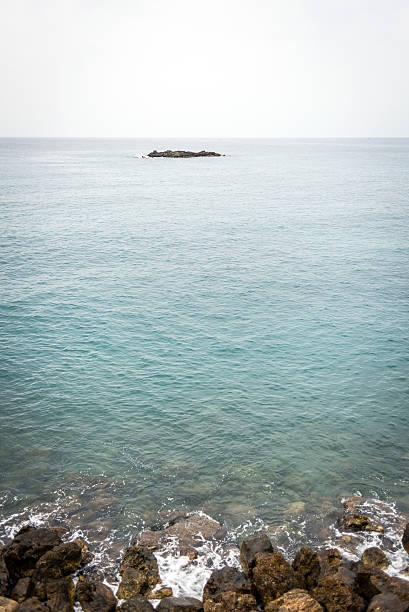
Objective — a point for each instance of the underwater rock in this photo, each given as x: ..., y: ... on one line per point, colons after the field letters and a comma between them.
x: 95, y: 596
x: 374, y: 557
x: 272, y: 576
x: 137, y: 603
x: 250, y: 547
x: 8, y: 605
x: 405, y: 538
x: 307, y: 564
x: 180, y: 604
x: 170, y: 153
x: 296, y: 600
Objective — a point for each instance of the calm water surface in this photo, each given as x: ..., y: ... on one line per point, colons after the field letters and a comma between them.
x: 226, y: 334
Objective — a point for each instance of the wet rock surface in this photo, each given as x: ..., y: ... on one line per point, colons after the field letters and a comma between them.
x: 297, y: 600
x: 180, y: 604
x: 169, y: 153
x: 137, y: 603
x: 272, y: 576
x: 405, y: 538
x: 95, y: 596
x: 374, y: 557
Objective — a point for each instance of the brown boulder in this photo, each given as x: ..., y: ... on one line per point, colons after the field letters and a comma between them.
x: 60, y: 561
x: 180, y: 604
x: 405, y: 538
x: 307, y: 564
x: 296, y: 600
x: 374, y: 557
x: 354, y: 521
x: 371, y: 582
x: 22, y: 554
x: 272, y: 576
x: 227, y: 579
x: 23, y: 589
x: 250, y: 547
x: 4, y: 576
x: 8, y: 605
x: 335, y: 591
x: 95, y: 596
x: 231, y: 602
x: 136, y: 603
x: 386, y: 603
x: 61, y: 594
x: 134, y: 582
x: 34, y: 605
x: 161, y: 593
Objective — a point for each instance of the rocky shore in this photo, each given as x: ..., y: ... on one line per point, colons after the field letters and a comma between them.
x: 178, y: 154
x: 46, y: 569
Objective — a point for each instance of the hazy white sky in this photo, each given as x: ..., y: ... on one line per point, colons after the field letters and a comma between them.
x: 204, y: 68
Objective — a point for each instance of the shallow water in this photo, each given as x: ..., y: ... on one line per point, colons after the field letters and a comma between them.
x: 219, y: 334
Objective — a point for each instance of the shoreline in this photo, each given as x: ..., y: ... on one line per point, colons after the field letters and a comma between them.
x: 187, y: 547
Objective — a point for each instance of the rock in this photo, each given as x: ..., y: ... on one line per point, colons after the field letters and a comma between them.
x: 296, y: 600
x: 307, y: 564
x: 34, y: 605
x: 134, y: 582
x: 31, y: 543
x: 386, y: 603
x: 371, y: 582
x: 227, y: 579
x: 8, y: 605
x: 353, y: 502
x: 335, y: 591
x: 137, y: 603
x: 4, y: 576
x: 405, y: 538
x: 250, y: 547
x: 272, y: 576
x: 139, y: 571
x: 23, y: 589
x: 161, y: 593
x: 330, y: 560
x: 60, y: 561
x: 354, y: 521
x: 169, y: 153
x: 231, y: 602
x: 374, y: 557
x: 61, y: 594
x: 95, y: 596
x: 180, y: 604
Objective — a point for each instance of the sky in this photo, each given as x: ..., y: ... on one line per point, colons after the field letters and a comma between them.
x: 214, y: 68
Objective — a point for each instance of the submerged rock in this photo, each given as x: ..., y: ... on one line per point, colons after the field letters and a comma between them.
x: 169, y: 153
x: 296, y: 600
x: 250, y: 547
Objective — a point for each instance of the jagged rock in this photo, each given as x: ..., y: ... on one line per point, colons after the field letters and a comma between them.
x: 405, y: 538
x: 134, y: 582
x: 139, y: 571
x: 296, y: 600
x: 170, y: 153
x: 231, y: 602
x: 335, y: 591
x: 161, y: 593
x: 354, y: 521
x: 33, y: 604
x: 61, y: 594
x: 272, y: 576
x: 22, y: 554
x: 8, y: 605
x: 180, y: 604
x: 4, y: 576
x: 307, y: 564
x: 227, y: 579
x: 23, y: 589
x: 95, y: 596
x: 371, y: 582
x: 60, y: 561
x: 374, y: 557
x: 386, y: 603
x: 137, y: 603
x: 250, y: 547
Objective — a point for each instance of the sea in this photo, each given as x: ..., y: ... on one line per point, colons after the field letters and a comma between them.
x: 224, y: 335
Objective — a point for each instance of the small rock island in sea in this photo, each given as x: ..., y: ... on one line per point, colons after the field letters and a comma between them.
x: 170, y: 153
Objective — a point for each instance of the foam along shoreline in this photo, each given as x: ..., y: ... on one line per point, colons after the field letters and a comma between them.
x: 184, y: 154
x: 49, y: 568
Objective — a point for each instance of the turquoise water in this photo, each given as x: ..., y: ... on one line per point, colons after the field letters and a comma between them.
x: 226, y: 334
